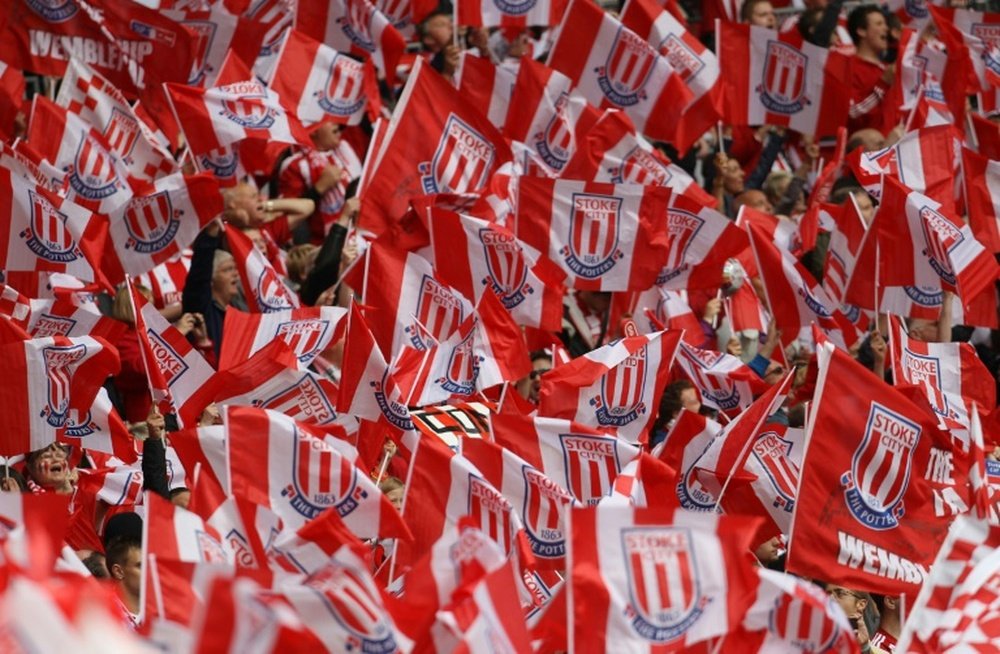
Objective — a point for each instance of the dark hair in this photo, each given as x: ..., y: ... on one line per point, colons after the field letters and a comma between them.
x: 7, y: 471
x: 95, y: 564
x: 540, y: 354
x: 670, y: 403
x: 858, y: 20
x: 746, y: 11
x: 422, y: 25
x: 117, y: 551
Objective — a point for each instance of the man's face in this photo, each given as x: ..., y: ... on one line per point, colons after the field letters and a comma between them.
x: 132, y: 572
x: 51, y: 467
x: 326, y: 136
x: 395, y: 497
x: 257, y: 237
x: 690, y: 401
x: 865, y: 206
x: 226, y: 280
x: 876, y: 33
x: 438, y: 33
x: 852, y: 604
x: 763, y: 15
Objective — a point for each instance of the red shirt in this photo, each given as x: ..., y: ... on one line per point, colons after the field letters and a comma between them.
x: 867, y: 93
x: 883, y: 641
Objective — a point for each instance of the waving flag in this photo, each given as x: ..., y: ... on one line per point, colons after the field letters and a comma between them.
x: 777, y: 79
x: 436, y: 142
x: 951, y: 375
x: 873, y: 471
x: 982, y: 198
x: 356, y: 27
x: 613, y: 67
x: 281, y: 464
x: 308, y: 331
x: 502, y: 13
x: 918, y: 233
x: 223, y: 115
x: 485, y: 85
x: 214, y: 31
x: 317, y: 83
x: 93, y: 176
x: 53, y: 382
x: 176, y: 370
x: 971, y: 36
x: 160, y: 223
x: 70, y: 316
x: 655, y: 579
x: 180, y: 534
x: 952, y: 608
x: 607, y: 237
x: 552, y: 119
x: 723, y: 381
x: 613, y: 152
x: 577, y: 458
x: 166, y: 281
x: 614, y: 387
x: 260, y: 281
x: 89, y: 95
x: 495, y: 261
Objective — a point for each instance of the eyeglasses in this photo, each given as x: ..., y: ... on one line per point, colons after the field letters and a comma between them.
x: 840, y: 593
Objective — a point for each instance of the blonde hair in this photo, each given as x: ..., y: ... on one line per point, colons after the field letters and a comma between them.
x: 121, y: 307
x: 299, y: 259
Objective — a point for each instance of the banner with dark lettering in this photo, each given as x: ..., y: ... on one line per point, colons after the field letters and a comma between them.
x: 308, y: 331
x: 879, y: 483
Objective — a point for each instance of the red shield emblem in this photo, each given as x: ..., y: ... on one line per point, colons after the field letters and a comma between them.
x: 463, y: 368
x: 247, y: 105
x: 276, y: 15
x: 682, y: 58
x: 506, y: 265
x: 772, y: 452
x: 303, y: 401
x: 60, y: 365
x: 306, y: 337
x: 801, y: 623
x: 121, y: 133
x: 542, y: 511
x: 461, y: 162
x: 397, y: 10
x: 784, y: 84
x: 171, y: 364
x: 593, y: 239
x: 353, y: 601
x: 640, y: 166
x: 622, y: 391
x: 555, y: 144
x: 49, y: 325
x: 627, y: 68
x: 94, y: 173
x: 152, y: 223
x: 880, y: 469
x: 591, y: 465
x: 664, y: 592
x: 321, y: 479
x: 54, y: 11
x: 682, y: 229
x: 357, y: 24
x: 713, y: 384
x: 942, y: 238
x: 343, y: 93
x: 924, y: 370
x: 48, y: 236
x: 272, y: 294
x: 439, y: 313
x: 490, y: 511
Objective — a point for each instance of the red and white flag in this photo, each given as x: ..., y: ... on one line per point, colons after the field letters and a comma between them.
x: 180, y: 535
x: 283, y: 465
x: 540, y: 501
x: 356, y: 27
x: 697, y: 65
x: 86, y: 93
x: 613, y: 152
x: 605, y: 237
x: 981, y: 177
x: 575, y: 457
x: 411, y: 305
x: 485, y: 85
x: 166, y: 281
x: 308, y: 331
x: 778, y: 79
x: 444, y: 487
x: 845, y: 246
x: 917, y: 233
x: 501, y: 13
x: 613, y: 388
x: 176, y: 370
x: 368, y: 388
x: 223, y: 115
x: 879, y: 477
x: 52, y: 379
x: 159, y: 224
x: 495, y: 261
x: 15, y: 306
x: 951, y: 375
x: 613, y: 67
x: 260, y: 281
x: 685, y: 444
x: 925, y: 160
x: 701, y: 241
x: 972, y: 36
x: 436, y: 142
x: 952, y: 610
x: 650, y: 580
x: 69, y: 316
x: 93, y: 176
x: 215, y: 31
x: 723, y: 381
x: 795, y: 298
x: 317, y: 83
x: 552, y: 119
